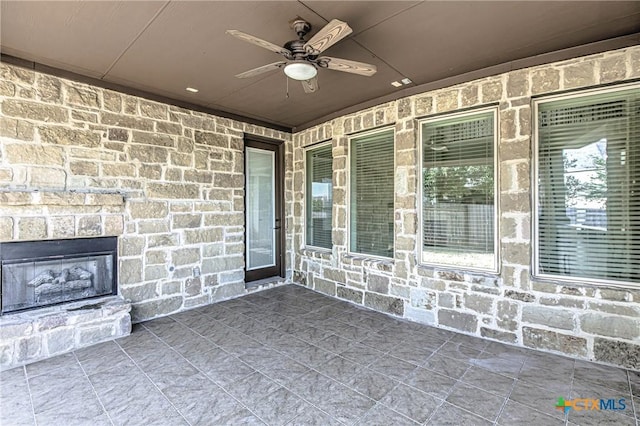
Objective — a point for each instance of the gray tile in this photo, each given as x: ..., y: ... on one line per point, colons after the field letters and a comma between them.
x: 252, y: 388
x: 63, y: 378
x: 476, y: 400
x: 444, y: 365
x: 535, y: 397
x: 411, y: 402
x: 448, y: 414
x: 116, y: 359
x: 469, y: 341
x: 515, y: 413
x: 285, y: 371
x: 149, y: 359
x: 61, y: 361
x: 196, y: 346
x: 383, y: 416
x: 238, y: 416
x: 347, y: 331
x: 15, y: 401
x: 146, y: 409
x: 116, y: 387
x: 503, y: 364
x: 362, y: 354
x: 372, y: 384
x: 241, y: 344
x: 314, y: 417
x: 345, y: 405
x: 339, y: 368
x: 169, y: 375
x: 74, y: 413
x: 97, y: 351
x: 139, y: 336
x: 335, y: 344
x: 312, y: 334
x: 313, y: 386
x: 380, y: 342
x: 601, y: 375
x: 430, y: 382
x: 411, y: 353
x: 224, y: 368
x: 486, y: 380
x: 393, y: 367
x: 279, y: 407
x: 458, y: 351
x: 185, y: 392
x: 288, y: 344
x: 74, y: 392
x: 312, y: 356
x: 14, y: 374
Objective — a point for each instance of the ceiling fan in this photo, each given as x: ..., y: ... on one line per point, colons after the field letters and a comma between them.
x: 302, y: 57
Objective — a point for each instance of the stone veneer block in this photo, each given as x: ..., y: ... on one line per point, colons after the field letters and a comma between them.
x: 30, y: 336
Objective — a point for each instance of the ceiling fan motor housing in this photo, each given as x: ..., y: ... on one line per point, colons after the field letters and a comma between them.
x: 300, y: 26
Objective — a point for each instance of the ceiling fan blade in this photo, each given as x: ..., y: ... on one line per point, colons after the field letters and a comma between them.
x: 259, y: 42
x: 262, y: 69
x: 311, y: 85
x: 329, y: 35
x: 346, y: 65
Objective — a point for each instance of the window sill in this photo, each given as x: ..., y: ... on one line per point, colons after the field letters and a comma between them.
x: 316, y: 252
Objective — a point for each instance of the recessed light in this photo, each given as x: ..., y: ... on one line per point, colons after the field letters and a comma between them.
x: 192, y: 90
x: 406, y: 81
x: 396, y: 84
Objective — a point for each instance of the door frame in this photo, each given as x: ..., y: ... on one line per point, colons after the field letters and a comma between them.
x: 277, y: 146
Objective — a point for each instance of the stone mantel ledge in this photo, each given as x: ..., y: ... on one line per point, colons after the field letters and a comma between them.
x: 60, y: 198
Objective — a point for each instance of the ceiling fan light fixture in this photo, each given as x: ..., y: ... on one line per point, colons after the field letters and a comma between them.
x: 300, y: 70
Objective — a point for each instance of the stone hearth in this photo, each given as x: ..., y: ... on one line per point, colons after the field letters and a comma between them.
x: 34, y: 335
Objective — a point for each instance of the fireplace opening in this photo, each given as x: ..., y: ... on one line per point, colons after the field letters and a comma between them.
x: 35, y: 274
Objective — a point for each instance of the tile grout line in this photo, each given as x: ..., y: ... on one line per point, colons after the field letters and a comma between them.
x: 506, y: 400
x: 636, y: 413
x: 33, y: 409
x: 93, y: 388
x: 242, y: 404
x: 149, y: 378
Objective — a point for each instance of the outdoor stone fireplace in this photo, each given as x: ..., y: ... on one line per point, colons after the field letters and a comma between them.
x: 43, y: 273
x: 59, y: 273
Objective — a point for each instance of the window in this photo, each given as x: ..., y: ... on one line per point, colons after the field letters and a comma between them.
x: 372, y: 193
x: 319, y: 200
x: 588, y: 187
x: 458, y: 191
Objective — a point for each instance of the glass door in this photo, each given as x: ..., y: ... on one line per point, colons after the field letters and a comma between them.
x: 263, y: 216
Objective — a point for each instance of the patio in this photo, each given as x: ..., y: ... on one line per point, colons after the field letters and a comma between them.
x: 293, y: 356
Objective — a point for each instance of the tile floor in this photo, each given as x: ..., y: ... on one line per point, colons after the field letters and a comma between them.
x: 295, y: 357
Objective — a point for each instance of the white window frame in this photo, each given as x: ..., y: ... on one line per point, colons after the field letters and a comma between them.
x: 306, y: 149
x: 496, y: 192
x: 535, y: 170
x: 349, y: 189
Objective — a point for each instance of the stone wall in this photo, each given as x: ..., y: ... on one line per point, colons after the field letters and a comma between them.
x: 591, y: 322
x: 78, y: 160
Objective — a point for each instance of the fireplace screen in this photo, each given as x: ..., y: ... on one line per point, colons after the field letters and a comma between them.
x: 42, y: 273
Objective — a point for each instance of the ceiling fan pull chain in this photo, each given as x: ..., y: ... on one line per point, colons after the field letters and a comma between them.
x: 287, y: 78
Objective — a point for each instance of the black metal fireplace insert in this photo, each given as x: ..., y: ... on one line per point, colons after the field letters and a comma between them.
x: 43, y: 273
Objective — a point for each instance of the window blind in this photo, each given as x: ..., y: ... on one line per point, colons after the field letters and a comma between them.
x: 588, y: 222
x: 458, y: 191
x: 372, y: 194
x: 319, y: 200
